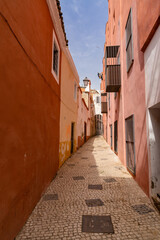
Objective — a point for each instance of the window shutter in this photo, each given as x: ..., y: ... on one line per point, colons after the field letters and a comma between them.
x: 129, y: 41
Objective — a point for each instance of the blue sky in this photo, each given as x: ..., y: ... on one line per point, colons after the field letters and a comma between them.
x: 85, y: 22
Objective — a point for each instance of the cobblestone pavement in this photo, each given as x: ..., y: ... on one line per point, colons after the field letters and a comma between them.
x: 58, y: 215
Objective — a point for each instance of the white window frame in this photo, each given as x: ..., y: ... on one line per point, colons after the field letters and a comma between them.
x: 54, y: 40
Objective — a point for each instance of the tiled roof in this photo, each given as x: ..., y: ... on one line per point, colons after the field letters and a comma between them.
x: 62, y: 22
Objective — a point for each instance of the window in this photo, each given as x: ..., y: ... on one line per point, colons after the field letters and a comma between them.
x: 129, y: 41
x: 97, y: 99
x: 75, y: 91
x: 55, y: 58
x: 130, y: 146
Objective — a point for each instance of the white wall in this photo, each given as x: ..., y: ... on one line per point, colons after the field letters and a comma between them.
x: 97, y: 105
x: 152, y: 85
x: 152, y: 70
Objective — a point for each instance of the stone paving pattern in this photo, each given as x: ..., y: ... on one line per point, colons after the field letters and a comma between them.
x: 61, y: 218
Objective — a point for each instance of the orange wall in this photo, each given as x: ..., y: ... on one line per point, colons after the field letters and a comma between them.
x: 29, y: 110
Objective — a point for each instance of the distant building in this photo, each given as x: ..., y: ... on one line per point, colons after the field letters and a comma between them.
x: 86, y: 113
x: 98, y: 116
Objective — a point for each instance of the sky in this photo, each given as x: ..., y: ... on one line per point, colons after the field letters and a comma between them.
x: 85, y: 22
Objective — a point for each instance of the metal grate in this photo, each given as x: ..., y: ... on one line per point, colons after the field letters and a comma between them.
x: 70, y: 165
x: 97, y: 224
x: 95, y: 187
x: 142, y: 209
x: 48, y: 197
x: 94, y: 202
x: 78, y: 178
x: 110, y: 180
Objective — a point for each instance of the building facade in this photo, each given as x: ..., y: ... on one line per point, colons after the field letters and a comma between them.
x: 127, y: 69
x: 69, y: 107
x: 32, y: 46
x: 86, y: 113
x: 98, y: 115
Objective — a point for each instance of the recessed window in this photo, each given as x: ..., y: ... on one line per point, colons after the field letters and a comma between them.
x: 129, y: 41
x: 97, y: 99
x: 75, y: 91
x: 55, y: 58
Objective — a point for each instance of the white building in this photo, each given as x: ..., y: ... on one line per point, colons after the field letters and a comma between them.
x: 98, y: 116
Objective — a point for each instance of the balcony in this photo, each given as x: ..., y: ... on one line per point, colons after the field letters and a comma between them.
x: 103, y: 107
x: 112, y: 69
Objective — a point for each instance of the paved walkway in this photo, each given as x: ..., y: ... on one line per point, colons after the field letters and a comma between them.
x: 63, y: 213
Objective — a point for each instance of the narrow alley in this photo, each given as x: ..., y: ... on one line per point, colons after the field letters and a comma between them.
x: 93, y: 182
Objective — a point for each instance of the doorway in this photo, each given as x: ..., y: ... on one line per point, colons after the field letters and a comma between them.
x: 130, y: 144
x: 111, y: 135
x: 85, y: 131
x: 115, y: 137
x: 154, y: 145
x: 72, y: 137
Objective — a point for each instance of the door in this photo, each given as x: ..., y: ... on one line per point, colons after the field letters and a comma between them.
x: 111, y: 135
x: 130, y: 145
x: 85, y: 131
x: 115, y: 137
x: 72, y: 137
x: 154, y: 144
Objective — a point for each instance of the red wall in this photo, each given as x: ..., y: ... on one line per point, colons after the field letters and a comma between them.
x: 29, y: 110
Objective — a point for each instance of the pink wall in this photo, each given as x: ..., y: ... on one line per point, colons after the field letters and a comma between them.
x: 131, y: 96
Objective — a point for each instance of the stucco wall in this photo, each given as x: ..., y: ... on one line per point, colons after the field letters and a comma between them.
x: 29, y: 110
x: 68, y: 112
x: 148, y: 12
x: 131, y: 97
x: 83, y: 117
x: 152, y: 85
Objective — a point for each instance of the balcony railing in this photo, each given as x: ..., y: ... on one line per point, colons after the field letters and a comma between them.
x: 112, y: 69
x: 103, y: 107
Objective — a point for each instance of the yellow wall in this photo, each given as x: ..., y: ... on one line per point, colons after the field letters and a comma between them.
x: 68, y: 112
